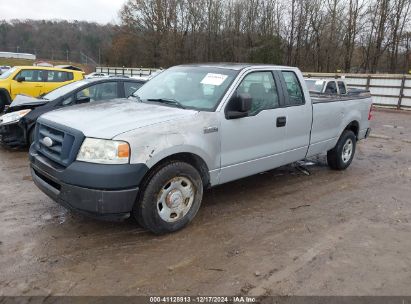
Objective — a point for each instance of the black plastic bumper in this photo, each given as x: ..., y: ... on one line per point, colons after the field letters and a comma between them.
x: 101, y: 191
x: 13, y: 135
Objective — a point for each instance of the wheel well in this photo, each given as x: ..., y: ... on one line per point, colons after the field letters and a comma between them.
x: 5, y: 94
x: 353, y: 126
x: 190, y: 158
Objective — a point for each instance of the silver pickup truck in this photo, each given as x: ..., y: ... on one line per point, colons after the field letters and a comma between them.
x: 191, y: 127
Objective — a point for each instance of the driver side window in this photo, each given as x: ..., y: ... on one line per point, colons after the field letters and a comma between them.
x: 260, y: 86
x: 101, y: 91
x: 30, y: 75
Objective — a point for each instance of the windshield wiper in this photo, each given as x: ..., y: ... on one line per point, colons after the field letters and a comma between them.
x: 167, y: 101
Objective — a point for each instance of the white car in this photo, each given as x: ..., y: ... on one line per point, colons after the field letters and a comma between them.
x: 96, y: 75
x: 4, y: 68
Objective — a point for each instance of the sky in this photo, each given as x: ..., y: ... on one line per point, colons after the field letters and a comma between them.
x: 100, y: 11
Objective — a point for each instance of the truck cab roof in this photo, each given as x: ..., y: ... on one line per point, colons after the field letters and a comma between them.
x: 236, y: 66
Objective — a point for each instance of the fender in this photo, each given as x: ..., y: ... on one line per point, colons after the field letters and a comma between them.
x: 152, y: 144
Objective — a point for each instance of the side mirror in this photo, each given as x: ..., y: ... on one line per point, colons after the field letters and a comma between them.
x: 20, y: 79
x: 239, y: 106
x: 82, y: 99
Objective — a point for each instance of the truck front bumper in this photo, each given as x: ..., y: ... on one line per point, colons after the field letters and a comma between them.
x: 101, y: 191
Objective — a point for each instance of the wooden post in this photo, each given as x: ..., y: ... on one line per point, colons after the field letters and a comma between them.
x: 401, y: 92
x: 368, y: 82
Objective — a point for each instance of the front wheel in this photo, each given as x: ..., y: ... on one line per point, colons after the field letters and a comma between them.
x: 170, y: 198
x: 342, y: 155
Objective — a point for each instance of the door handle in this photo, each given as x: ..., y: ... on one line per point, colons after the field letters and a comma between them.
x: 281, y: 121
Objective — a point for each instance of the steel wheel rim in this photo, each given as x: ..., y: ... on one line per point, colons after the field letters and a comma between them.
x: 175, y: 199
x: 347, y: 150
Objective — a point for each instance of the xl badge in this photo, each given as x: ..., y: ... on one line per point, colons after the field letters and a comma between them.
x: 47, y: 141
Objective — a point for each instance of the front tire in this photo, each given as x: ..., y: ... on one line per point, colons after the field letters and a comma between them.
x: 341, y: 156
x: 169, y: 198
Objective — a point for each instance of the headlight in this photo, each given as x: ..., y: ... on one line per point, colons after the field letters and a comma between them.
x: 13, y: 117
x: 101, y: 151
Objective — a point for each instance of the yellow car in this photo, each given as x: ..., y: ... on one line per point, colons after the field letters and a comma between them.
x: 33, y: 81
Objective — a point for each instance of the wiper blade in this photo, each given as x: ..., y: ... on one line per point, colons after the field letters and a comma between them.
x: 168, y: 101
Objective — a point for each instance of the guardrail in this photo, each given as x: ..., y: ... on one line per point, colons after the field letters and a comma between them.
x: 393, y: 90
x: 132, y: 72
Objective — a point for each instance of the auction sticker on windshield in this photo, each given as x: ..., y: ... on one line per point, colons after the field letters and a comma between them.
x: 214, y: 79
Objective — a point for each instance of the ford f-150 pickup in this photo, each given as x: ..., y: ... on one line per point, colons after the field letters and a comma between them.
x: 191, y: 127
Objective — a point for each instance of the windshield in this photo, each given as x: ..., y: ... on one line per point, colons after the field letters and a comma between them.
x: 7, y: 73
x: 198, y: 88
x: 315, y: 85
x: 64, y: 90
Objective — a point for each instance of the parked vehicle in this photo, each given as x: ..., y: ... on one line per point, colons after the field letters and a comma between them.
x: 4, y: 68
x: 189, y: 128
x: 17, y: 125
x: 33, y: 81
x: 96, y: 75
x: 327, y: 86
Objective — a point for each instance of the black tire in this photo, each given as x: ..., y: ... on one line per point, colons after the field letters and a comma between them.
x: 3, y: 102
x: 337, y: 158
x: 150, y: 203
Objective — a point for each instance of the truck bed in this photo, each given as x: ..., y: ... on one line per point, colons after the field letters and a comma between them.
x: 331, y: 113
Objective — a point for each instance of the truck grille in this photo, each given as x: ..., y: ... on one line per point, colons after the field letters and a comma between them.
x: 56, y: 144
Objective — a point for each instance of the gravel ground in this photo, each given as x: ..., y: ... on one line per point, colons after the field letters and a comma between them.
x: 277, y: 233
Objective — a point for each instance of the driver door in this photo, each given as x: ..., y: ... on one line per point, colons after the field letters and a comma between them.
x: 255, y: 143
x: 32, y: 85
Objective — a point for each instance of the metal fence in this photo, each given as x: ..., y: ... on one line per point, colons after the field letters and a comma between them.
x: 132, y: 72
x: 391, y: 90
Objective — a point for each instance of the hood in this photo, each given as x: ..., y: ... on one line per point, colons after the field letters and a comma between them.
x: 109, y: 119
x: 23, y: 100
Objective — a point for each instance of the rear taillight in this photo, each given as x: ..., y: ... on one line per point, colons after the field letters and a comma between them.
x: 370, y: 113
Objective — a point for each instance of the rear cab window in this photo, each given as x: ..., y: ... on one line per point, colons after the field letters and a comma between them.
x: 294, y: 89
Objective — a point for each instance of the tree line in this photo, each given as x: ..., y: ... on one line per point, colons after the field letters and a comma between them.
x: 75, y: 41
x: 315, y: 35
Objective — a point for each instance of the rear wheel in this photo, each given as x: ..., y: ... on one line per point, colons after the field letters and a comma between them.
x: 3, y: 101
x: 342, y: 155
x: 170, y: 198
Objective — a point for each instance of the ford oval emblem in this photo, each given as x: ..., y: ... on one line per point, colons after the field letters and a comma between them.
x: 47, y: 141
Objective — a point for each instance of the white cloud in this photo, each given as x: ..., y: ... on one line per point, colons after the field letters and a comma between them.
x: 101, y: 11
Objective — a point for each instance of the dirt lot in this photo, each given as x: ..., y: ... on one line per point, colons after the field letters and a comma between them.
x: 279, y: 233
